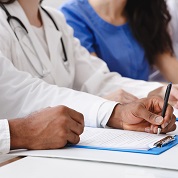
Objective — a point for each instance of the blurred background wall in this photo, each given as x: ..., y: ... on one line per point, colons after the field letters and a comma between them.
x: 53, y: 3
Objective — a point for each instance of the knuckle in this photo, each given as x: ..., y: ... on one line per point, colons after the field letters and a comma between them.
x: 138, y: 106
x: 120, y: 91
x: 151, y: 116
x: 63, y: 121
x: 62, y: 109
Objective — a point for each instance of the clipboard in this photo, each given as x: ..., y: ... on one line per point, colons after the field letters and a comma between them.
x: 176, y: 119
x: 159, y: 146
x: 153, y: 151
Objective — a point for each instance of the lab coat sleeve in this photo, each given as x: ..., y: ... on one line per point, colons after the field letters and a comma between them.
x: 22, y: 94
x: 92, y: 74
x: 4, y: 137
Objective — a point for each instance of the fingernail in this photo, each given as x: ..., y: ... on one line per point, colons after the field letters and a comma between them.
x: 165, y: 125
x: 159, y: 119
x: 147, y: 129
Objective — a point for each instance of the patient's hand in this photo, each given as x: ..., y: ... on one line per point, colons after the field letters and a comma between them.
x: 121, y: 96
x: 173, y: 98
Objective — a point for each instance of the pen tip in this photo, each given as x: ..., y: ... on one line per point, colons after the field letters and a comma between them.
x: 159, y: 131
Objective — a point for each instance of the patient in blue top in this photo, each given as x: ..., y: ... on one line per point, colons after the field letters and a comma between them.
x: 129, y: 35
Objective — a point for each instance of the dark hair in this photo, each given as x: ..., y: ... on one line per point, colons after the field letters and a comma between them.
x: 149, y: 23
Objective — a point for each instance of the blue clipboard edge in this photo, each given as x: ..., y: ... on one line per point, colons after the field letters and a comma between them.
x: 153, y: 151
x: 176, y: 119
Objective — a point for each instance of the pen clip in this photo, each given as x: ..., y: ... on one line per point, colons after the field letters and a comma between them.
x: 164, y: 141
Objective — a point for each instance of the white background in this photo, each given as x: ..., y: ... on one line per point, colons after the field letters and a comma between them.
x: 53, y: 3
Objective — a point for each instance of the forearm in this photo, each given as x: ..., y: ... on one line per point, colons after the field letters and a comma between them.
x: 168, y: 66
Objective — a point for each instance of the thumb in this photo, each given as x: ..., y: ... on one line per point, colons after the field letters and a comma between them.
x: 151, y: 117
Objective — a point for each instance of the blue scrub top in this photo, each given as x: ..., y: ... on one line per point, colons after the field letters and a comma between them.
x: 115, y: 45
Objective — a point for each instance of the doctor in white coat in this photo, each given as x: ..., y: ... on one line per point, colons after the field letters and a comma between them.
x: 55, y: 126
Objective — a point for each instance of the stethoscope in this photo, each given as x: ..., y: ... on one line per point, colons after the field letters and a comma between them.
x: 45, y: 72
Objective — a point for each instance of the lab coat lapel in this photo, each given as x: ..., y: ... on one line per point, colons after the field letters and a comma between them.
x: 53, y: 37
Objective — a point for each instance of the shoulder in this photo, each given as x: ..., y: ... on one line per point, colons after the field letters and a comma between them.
x: 72, y: 4
x: 74, y: 8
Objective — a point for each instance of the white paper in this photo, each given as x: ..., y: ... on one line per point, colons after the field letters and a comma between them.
x: 114, y: 138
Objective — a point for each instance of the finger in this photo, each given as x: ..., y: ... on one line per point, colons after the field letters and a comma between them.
x: 137, y: 127
x: 76, y: 127
x: 72, y: 137
x: 168, y: 116
x: 152, y: 129
x: 170, y: 129
x: 170, y: 125
x: 78, y: 117
x: 150, y: 117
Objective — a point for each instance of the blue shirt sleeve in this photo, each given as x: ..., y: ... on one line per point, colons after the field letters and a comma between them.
x: 81, y: 29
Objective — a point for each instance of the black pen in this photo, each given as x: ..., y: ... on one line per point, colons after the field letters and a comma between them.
x: 166, y: 98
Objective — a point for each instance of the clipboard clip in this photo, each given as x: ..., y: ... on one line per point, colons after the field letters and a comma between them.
x: 164, y: 141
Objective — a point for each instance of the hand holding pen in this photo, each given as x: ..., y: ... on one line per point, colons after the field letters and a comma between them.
x: 166, y: 98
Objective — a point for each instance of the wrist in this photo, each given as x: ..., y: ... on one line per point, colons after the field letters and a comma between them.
x: 19, y: 134
x: 115, y: 121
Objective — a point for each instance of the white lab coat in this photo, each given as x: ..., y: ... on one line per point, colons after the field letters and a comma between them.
x: 21, y: 94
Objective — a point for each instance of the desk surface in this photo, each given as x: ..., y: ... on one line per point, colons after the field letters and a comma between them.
x: 36, y: 167
x: 86, y: 163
